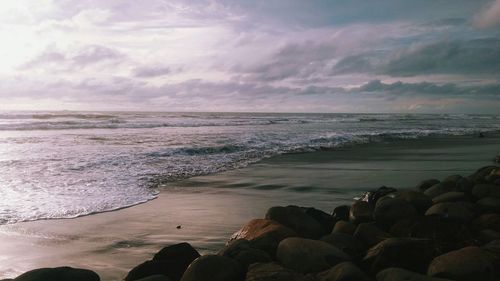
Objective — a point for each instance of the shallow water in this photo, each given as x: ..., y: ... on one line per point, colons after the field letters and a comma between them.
x: 68, y: 164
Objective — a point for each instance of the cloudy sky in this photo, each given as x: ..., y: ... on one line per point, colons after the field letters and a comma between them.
x: 270, y: 55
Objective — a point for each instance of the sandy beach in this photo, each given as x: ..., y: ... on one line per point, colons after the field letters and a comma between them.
x: 210, y: 208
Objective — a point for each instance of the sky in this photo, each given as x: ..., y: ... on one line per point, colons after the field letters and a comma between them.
x: 426, y: 56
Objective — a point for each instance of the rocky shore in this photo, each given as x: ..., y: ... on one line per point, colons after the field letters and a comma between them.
x: 440, y: 230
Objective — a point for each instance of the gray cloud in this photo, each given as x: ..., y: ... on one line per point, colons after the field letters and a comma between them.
x: 489, y: 16
x: 151, y: 71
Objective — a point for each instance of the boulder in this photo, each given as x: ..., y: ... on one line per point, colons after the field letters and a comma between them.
x: 344, y: 227
x: 372, y: 196
x: 488, y: 235
x: 489, y: 204
x: 493, y: 248
x: 170, y: 261
x: 361, y: 211
x: 325, y: 220
x: 213, y: 268
x: 273, y: 272
x: 341, y: 213
x: 400, y: 274
x: 241, y: 250
x: 480, y: 175
x: 296, y: 218
x: 345, y: 271
x: 157, y: 277
x: 408, y: 253
x: 440, y: 188
x: 418, y: 200
x: 452, y: 196
x: 493, y: 175
x: 306, y: 255
x: 59, y: 274
x: 466, y: 264
x: 369, y: 234
x: 460, y: 183
x: 426, y: 184
x: 454, y: 210
x: 487, y: 221
x: 444, y: 233
x: 483, y: 190
x: 388, y: 210
x: 346, y: 243
x: 264, y: 234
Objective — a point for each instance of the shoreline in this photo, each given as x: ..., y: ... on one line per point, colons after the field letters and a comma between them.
x: 137, y: 232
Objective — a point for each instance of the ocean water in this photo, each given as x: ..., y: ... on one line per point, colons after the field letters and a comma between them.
x: 69, y: 164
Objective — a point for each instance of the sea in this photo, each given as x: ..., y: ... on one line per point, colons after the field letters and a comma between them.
x: 69, y: 164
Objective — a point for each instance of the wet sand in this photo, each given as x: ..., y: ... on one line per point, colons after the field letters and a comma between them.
x: 210, y: 208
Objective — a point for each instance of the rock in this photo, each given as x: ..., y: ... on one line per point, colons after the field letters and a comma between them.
x: 264, y: 234
x: 388, y: 210
x: 493, y: 248
x: 454, y: 210
x: 400, y: 274
x: 157, y: 277
x: 440, y: 188
x: 408, y: 253
x: 426, y: 184
x: 452, y: 196
x: 480, y: 175
x: 325, y: 220
x: 341, y: 213
x: 170, y: 261
x: 295, y: 218
x: 483, y: 190
x: 493, y: 175
x: 345, y: 271
x: 272, y: 272
x: 418, y: 200
x: 487, y: 221
x: 466, y: 264
x: 489, y: 204
x: 445, y: 234
x: 182, y: 252
x: 213, y: 268
x: 345, y: 242
x: 488, y: 235
x: 369, y: 234
x: 372, y: 196
x: 344, y: 227
x: 241, y: 251
x: 361, y: 211
x: 497, y: 159
x: 59, y: 274
x: 305, y: 255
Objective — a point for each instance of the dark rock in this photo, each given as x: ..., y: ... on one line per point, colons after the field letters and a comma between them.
x: 157, y: 277
x: 264, y: 234
x: 487, y: 221
x: 493, y: 248
x: 443, y: 233
x: 440, y: 188
x: 388, y: 210
x: 493, y: 175
x: 488, y: 235
x: 480, y: 175
x: 341, y: 213
x: 452, y: 196
x: 497, y: 159
x: 213, y: 268
x: 408, y: 253
x: 400, y: 274
x: 345, y: 271
x: 241, y: 251
x: 483, y: 190
x: 373, y: 196
x: 273, y: 272
x: 346, y: 243
x: 325, y: 220
x: 183, y: 252
x: 453, y: 210
x: 170, y: 261
x: 369, y: 234
x: 295, y: 218
x: 426, y: 184
x: 489, y: 204
x: 59, y: 274
x: 344, y: 227
x: 306, y: 255
x: 361, y: 211
x: 466, y: 264
x: 418, y: 200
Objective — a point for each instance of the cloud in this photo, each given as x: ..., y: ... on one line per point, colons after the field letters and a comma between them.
x: 488, y: 16
x: 151, y: 71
